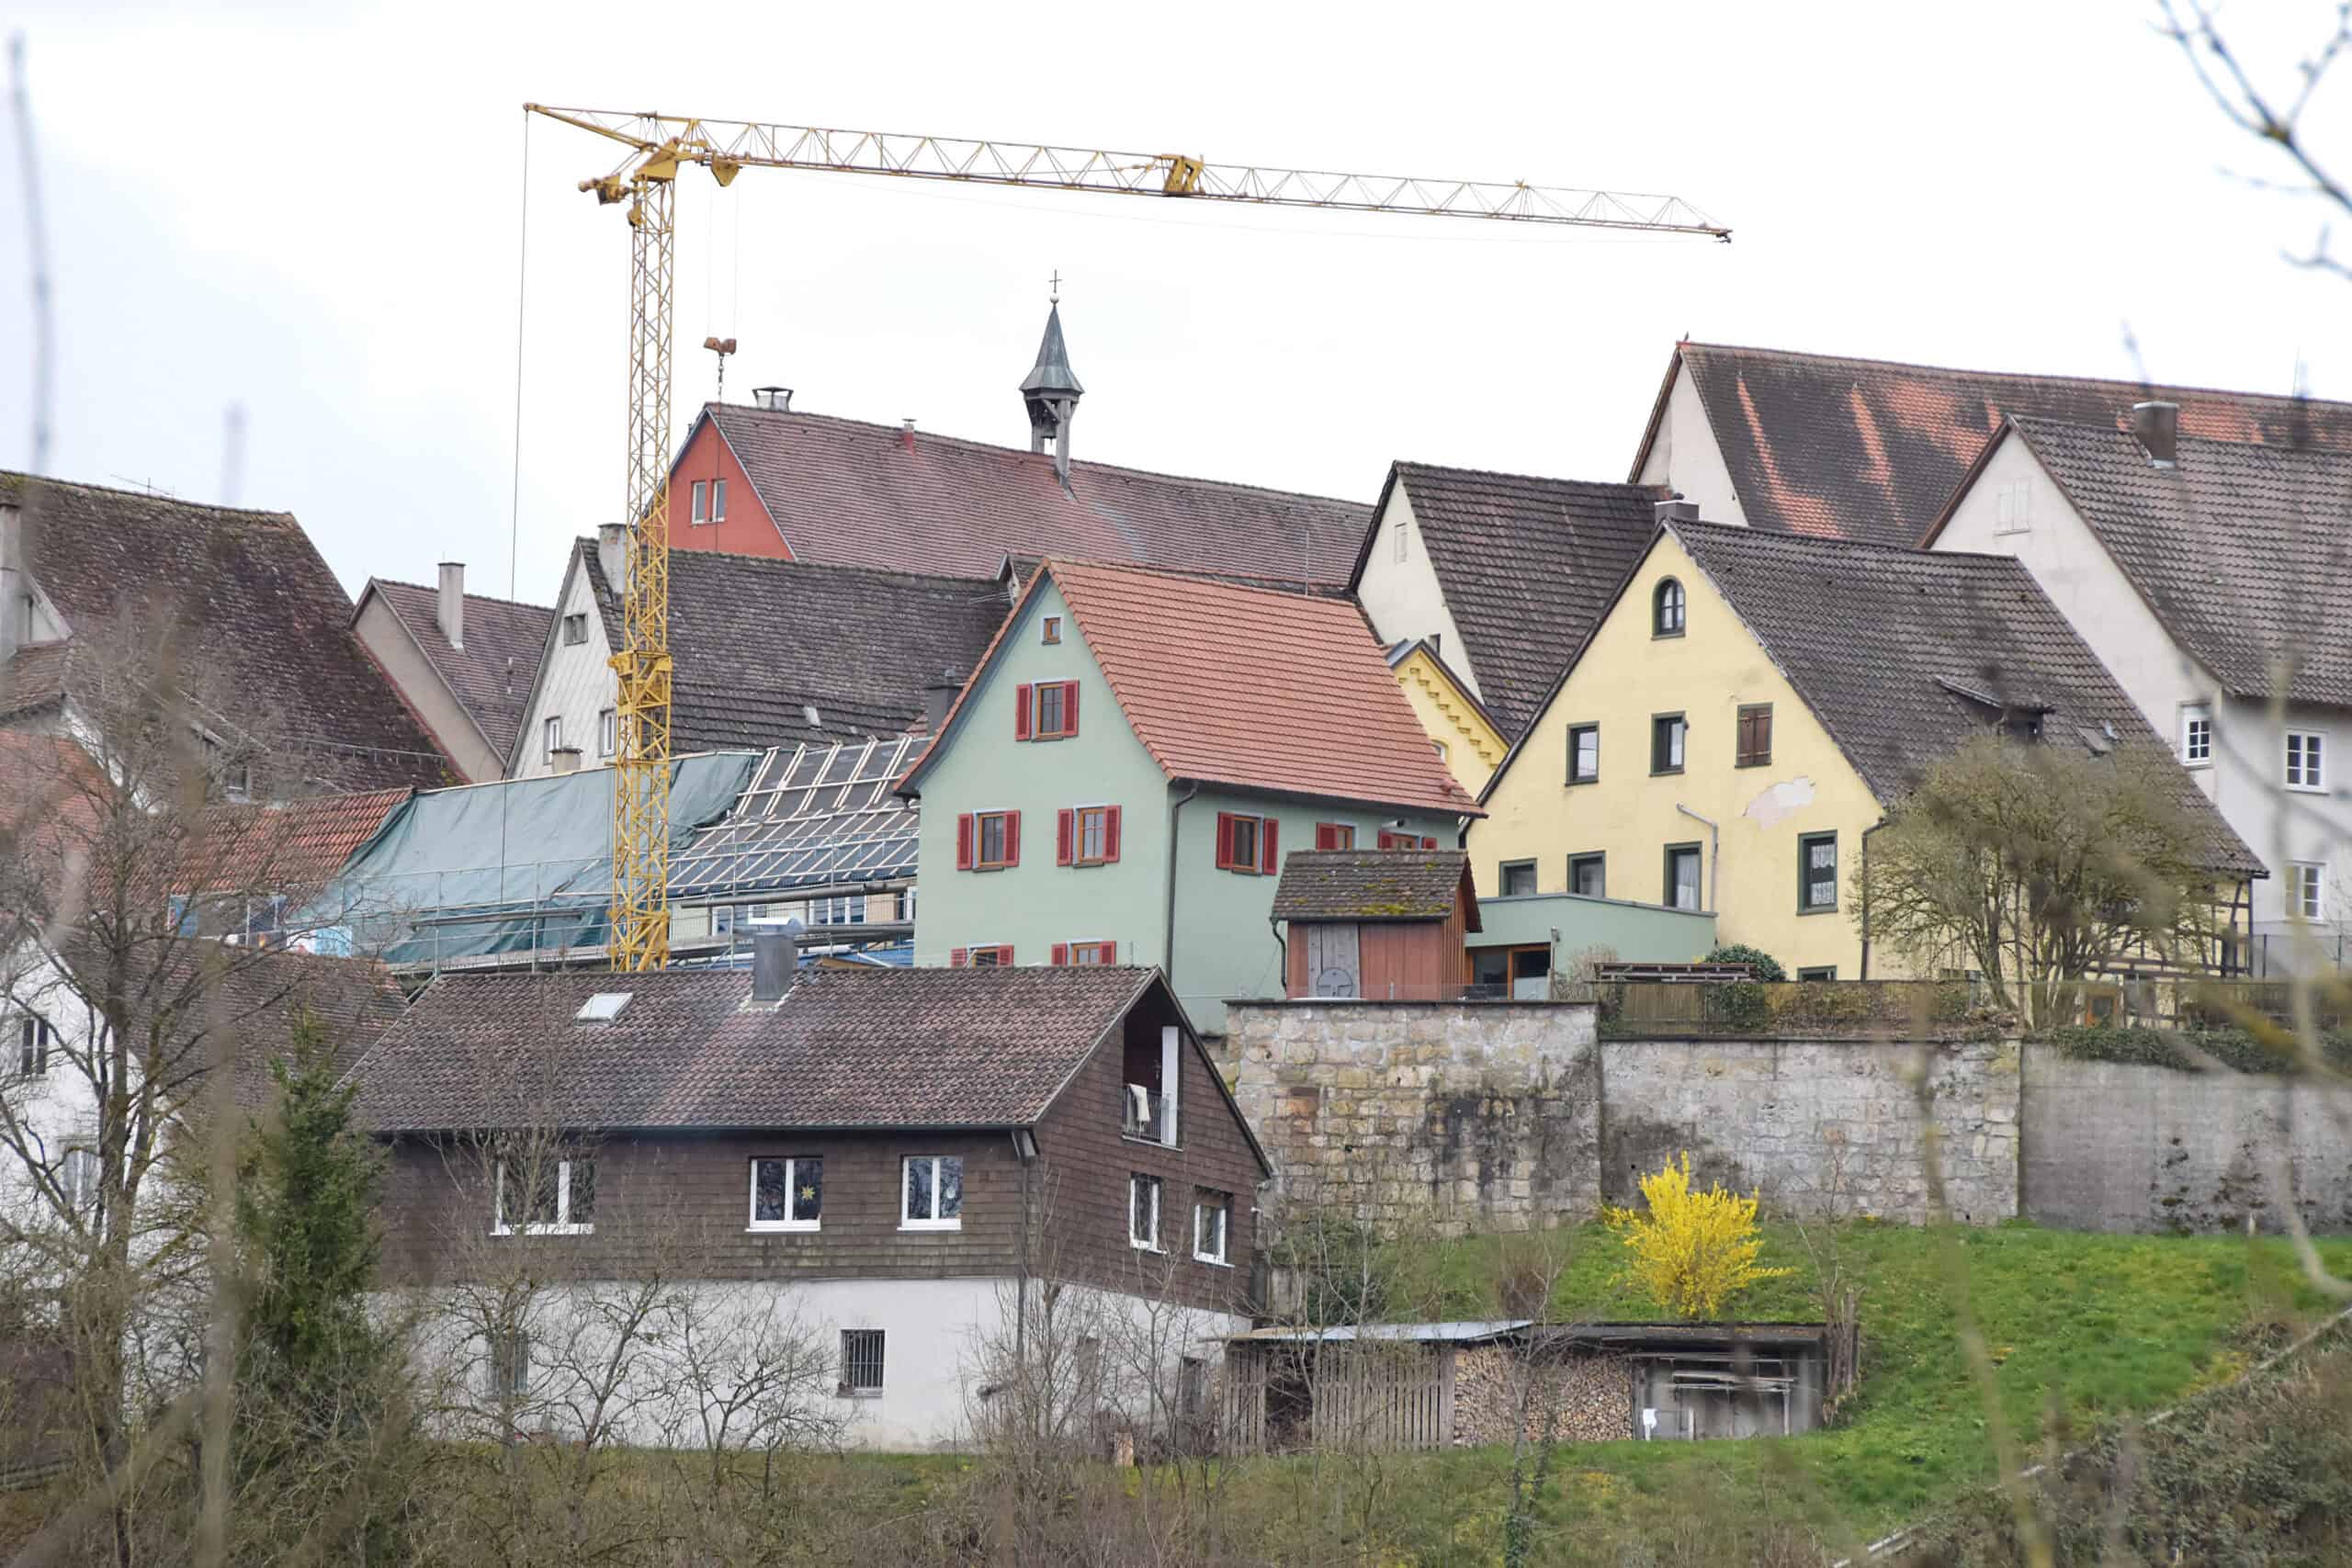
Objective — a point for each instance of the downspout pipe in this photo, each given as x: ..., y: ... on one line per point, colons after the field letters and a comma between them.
x: 1866, y: 893
x: 1175, y: 804
x: 1714, y: 848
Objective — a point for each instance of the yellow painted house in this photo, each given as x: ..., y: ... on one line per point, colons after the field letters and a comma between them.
x: 1749, y: 706
x: 1451, y: 716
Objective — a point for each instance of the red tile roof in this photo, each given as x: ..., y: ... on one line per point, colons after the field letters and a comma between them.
x: 845, y: 493
x: 301, y: 843
x: 1868, y: 449
x: 1256, y: 688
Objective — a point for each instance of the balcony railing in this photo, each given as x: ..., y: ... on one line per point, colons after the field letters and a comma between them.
x: 1146, y: 1113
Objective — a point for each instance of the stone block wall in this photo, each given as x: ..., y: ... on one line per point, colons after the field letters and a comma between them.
x: 1817, y: 1124
x: 2114, y: 1147
x: 1479, y: 1116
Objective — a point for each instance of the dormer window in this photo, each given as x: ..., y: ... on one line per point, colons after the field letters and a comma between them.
x: 1667, y: 608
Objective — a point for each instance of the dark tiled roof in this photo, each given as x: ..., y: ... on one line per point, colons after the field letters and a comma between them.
x: 1255, y: 688
x: 35, y: 676
x: 1528, y: 566
x: 863, y: 1047
x: 849, y: 494
x: 1885, y: 646
x: 2244, y: 552
x: 256, y: 596
x: 490, y: 676
x: 1869, y: 449
x: 1370, y: 884
x: 758, y: 641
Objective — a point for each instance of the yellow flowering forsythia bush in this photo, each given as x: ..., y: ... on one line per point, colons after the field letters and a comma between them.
x: 1694, y: 1250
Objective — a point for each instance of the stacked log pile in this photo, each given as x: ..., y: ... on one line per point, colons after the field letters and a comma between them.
x: 1586, y: 1399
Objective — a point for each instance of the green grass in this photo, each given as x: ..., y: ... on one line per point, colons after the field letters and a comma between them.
x: 2082, y: 1328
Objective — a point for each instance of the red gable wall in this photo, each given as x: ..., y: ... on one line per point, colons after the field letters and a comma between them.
x: 748, y: 531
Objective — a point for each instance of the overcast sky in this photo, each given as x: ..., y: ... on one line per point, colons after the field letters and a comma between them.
x: 315, y: 212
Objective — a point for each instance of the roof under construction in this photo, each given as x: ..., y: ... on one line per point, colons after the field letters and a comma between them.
x: 815, y: 818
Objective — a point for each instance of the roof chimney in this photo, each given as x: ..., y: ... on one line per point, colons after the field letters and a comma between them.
x: 2157, y: 426
x: 564, y: 759
x: 775, y: 399
x: 776, y: 959
x: 1051, y: 390
x: 450, y: 610
x: 907, y: 433
x: 612, y: 553
x: 938, y: 696
x: 1677, y: 511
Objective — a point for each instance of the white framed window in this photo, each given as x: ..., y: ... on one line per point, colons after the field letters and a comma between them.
x: 701, y: 496
x: 1143, y: 1213
x: 2197, y: 736
x: 841, y: 910
x: 904, y: 901
x: 862, y: 1362
x: 554, y: 728
x: 1399, y: 546
x: 510, y: 1365
x: 33, y: 1037
x: 1212, y: 1216
x: 609, y: 733
x: 560, y: 1201
x: 787, y: 1194
x: 2306, y: 760
x: 78, y: 1176
x: 2307, y: 890
x: 718, y: 501
x: 2013, y: 508
x: 931, y: 1197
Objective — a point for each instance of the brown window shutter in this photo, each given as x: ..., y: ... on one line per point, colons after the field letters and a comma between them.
x: 1063, y: 847
x: 959, y: 958
x: 1110, y: 953
x: 964, y: 842
x: 1061, y: 954
x: 1109, y: 832
x: 1069, y: 707
x: 1013, y: 838
x: 1223, y: 840
x: 1266, y: 856
x: 1021, y: 711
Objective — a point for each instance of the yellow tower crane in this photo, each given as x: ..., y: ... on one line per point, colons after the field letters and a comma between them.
x: 646, y: 178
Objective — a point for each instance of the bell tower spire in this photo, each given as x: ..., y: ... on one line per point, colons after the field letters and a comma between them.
x: 1051, y: 389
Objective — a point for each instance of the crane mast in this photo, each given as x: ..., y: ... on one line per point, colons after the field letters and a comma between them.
x: 646, y: 182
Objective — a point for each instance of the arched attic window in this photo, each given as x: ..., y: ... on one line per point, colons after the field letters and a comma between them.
x: 1667, y: 609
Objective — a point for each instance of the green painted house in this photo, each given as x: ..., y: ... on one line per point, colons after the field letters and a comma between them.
x: 1135, y: 754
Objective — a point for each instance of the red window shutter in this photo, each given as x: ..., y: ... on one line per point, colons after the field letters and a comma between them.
x: 1061, y: 953
x: 959, y: 958
x: 1063, y: 847
x: 1326, y: 836
x: 1012, y: 839
x: 1429, y: 843
x: 1021, y: 712
x: 1109, y: 832
x: 964, y: 842
x: 1069, y: 707
x: 1223, y: 840
x: 1110, y: 953
x: 1266, y: 856
x: 1004, y: 954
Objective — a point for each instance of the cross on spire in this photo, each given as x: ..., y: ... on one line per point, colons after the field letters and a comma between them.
x: 1056, y: 281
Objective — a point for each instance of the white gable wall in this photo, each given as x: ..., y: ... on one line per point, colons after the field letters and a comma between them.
x: 1401, y: 596
x: 1685, y: 457
x: 2245, y: 777
x: 576, y: 683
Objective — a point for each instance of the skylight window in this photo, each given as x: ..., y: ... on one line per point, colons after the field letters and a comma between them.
x: 603, y: 1007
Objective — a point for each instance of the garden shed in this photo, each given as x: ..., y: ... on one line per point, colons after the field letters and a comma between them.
x: 1378, y: 924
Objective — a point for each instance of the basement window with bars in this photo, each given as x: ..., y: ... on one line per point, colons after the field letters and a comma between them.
x: 861, y: 1364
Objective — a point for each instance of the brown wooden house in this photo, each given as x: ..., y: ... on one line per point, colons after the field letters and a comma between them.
x: 1380, y: 924
x: 908, y: 1156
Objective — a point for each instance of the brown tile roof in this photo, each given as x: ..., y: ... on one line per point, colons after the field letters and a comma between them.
x: 490, y: 676
x: 1256, y: 688
x: 1528, y: 566
x: 1869, y: 450
x: 849, y: 1047
x: 845, y: 493
x: 35, y: 676
x: 295, y: 844
x: 2244, y: 552
x: 1897, y: 652
x: 255, y: 593
x: 1373, y: 884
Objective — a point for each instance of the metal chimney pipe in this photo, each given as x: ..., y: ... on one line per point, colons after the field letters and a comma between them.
x: 938, y: 696
x: 2157, y: 426
x: 776, y: 959
x: 450, y: 610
